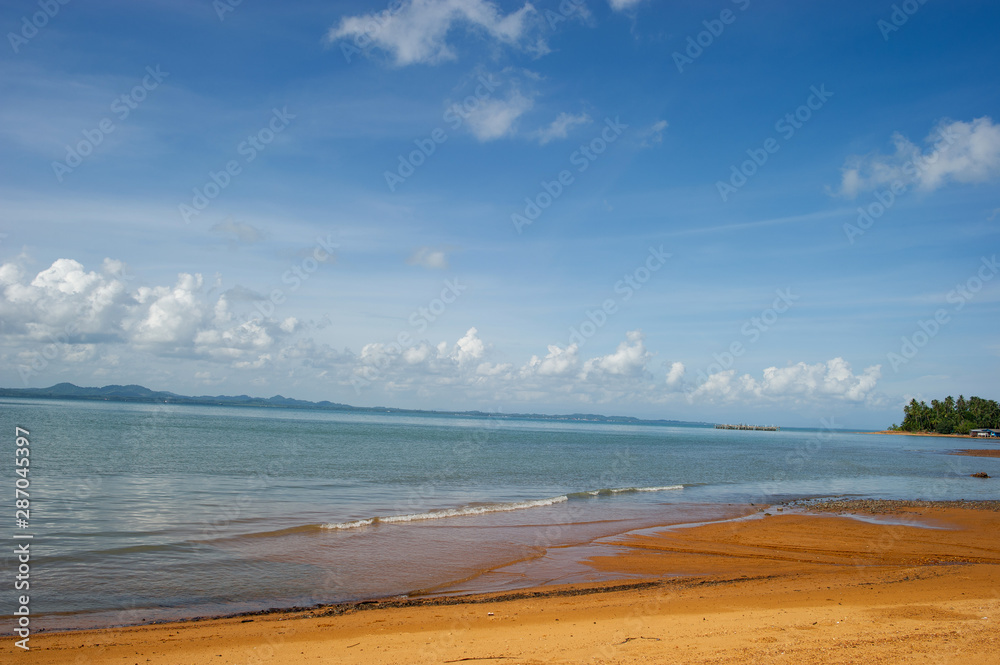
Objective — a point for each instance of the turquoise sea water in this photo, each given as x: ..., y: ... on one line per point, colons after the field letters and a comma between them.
x: 145, y: 512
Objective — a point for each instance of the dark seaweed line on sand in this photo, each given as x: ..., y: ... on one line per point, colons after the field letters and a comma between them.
x: 888, y: 506
x: 336, y: 609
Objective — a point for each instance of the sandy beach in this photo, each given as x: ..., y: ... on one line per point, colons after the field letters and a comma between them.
x: 934, y: 434
x: 824, y: 586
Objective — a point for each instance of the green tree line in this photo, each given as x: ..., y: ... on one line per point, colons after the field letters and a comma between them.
x: 950, y: 416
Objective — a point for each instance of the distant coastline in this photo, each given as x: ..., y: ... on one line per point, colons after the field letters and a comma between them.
x: 142, y: 395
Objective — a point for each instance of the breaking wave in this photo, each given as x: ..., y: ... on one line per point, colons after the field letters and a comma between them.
x: 484, y: 509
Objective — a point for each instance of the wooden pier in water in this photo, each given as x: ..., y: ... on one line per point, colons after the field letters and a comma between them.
x: 759, y: 428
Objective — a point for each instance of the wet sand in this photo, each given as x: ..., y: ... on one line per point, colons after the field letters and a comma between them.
x: 978, y: 453
x: 819, y: 587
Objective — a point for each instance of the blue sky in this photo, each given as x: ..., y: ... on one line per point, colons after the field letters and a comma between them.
x: 640, y: 208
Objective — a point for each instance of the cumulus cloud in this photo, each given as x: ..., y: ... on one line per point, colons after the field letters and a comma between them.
x: 429, y: 257
x: 63, y: 300
x: 424, y: 368
x: 676, y: 374
x: 559, y: 129
x: 964, y: 152
x: 832, y: 379
x: 468, y: 349
x: 496, y: 118
x: 628, y: 360
x: 416, y: 367
x: 418, y: 31
x: 69, y: 308
x: 94, y: 319
x: 558, y: 362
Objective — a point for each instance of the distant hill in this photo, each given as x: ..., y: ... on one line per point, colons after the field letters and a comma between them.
x: 134, y: 393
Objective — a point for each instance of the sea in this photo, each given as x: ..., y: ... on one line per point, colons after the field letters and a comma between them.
x: 151, y: 512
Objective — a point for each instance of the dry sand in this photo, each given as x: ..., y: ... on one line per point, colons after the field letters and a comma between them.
x: 788, y: 588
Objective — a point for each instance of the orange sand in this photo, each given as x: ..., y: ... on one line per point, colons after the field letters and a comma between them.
x: 953, y: 436
x: 789, y: 588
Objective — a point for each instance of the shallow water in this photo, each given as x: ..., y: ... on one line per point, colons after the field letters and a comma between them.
x: 147, y: 512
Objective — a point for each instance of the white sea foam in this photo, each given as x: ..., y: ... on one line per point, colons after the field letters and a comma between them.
x: 351, y: 525
x: 450, y: 512
x: 627, y: 490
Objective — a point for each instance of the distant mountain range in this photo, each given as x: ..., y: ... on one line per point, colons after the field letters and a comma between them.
x: 141, y: 394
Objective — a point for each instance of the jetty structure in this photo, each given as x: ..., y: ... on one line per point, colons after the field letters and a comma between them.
x: 759, y: 428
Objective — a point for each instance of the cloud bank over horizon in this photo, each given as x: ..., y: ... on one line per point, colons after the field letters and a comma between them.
x: 76, y: 322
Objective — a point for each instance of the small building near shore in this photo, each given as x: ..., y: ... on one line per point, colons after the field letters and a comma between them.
x: 985, y: 433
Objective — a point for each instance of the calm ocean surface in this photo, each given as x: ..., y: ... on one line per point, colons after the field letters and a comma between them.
x: 147, y: 512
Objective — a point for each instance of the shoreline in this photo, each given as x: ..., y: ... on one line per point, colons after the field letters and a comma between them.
x: 800, y: 562
x: 948, y: 436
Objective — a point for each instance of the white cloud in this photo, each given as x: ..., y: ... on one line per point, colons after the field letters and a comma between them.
x: 104, y: 327
x: 468, y: 349
x: 169, y: 316
x: 676, y: 374
x: 64, y: 300
x: 965, y: 152
x: 417, y: 33
x: 426, y: 369
x: 67, y: 308
x: 558, y: 362
x: 262, y: 360
x: 495, y: 118
x: 832, y: 379
x: 489, y: 369
x: 559, y: 129
x: 653, y: 135
x: 628, y: 360
x: 206, y: 378
x: 622, y: 5
x: 429, y: 257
